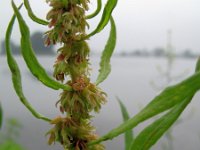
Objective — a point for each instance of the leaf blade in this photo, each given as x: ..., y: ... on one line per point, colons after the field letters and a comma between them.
x: 96, y: 12
x: 151, y: 134
x: 16, y: 75
x: 108, y: 9
x: 164, y: 101
x: 128, y: 136
x: 32, y: 15
x: 29, y: 56
x: 105, y: 67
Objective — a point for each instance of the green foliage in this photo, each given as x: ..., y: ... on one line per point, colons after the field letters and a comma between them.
x: 107, y: 12
x: 165, y: 73
x: 10, y: 145
x: 167, y: 99
x: 16, y: 75
x: 151, y: 134
x: 28, y: 54
x: 128, y: 136
x: 32, y: 15
x: 80, y: 81
x: 74, y: 130
x: 197, y: 65
x: 96, y: 12
x: 105, y: 67
x: 1, y: 115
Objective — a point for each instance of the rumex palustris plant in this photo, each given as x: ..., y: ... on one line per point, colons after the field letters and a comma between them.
x: 67, y: 22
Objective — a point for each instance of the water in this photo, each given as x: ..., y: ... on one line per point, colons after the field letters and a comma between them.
x: 129, y: 80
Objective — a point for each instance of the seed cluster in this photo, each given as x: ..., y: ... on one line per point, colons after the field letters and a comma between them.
x: 67, y: 26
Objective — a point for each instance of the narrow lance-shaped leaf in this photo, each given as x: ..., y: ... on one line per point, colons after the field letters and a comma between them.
x: 128, y: 136
x: 197, y: 65
x: 166, y: 100
x: 105, y: 66
x: 151, y: 134
x: 16, y: 75
x: 32, y: 15
x: 1, y: 115
x: 34, y: 66
x: 107, y: 12
x: 96, y: 12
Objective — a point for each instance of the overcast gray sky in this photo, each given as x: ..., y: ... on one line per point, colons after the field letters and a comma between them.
x: 140, y: 23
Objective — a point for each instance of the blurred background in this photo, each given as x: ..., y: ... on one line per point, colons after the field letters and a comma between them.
x: 157, y: 46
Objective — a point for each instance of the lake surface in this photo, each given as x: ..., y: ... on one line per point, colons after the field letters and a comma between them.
x: 130, y: 80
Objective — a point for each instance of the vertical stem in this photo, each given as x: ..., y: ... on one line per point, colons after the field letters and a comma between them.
x: 68, y: 23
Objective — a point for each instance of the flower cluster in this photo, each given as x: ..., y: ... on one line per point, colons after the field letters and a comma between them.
x: 84, y: 98
x: 67, y: 17
x: 67, y: 22
x: 72, y: 60
x: 73, y: 134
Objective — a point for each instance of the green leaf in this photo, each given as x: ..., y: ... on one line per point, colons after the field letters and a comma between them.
x: 164, y: 101
x: 32, y: 15
x: 128, y: 137
x: 16, y: 75
x: 105, y: 67
x: 10, y: 145
x: 96, y: 12
x: 1, y: 116
x: 108, y: 9
x: 151, y: 134
x: 197, y: 65
x: 29, y: 56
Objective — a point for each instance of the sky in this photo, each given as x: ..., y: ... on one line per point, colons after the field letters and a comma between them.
x: 141, y: 24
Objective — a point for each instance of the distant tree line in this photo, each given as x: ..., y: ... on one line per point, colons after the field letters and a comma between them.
x: 37, y: 43
x: 157, y: 52
x: 41, y: 49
